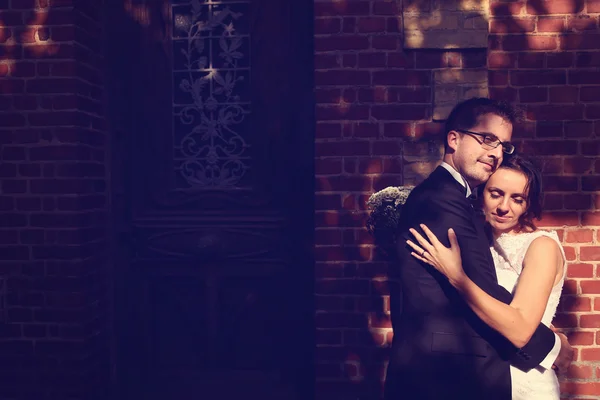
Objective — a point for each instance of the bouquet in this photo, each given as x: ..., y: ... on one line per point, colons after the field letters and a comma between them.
x: 384, y: 215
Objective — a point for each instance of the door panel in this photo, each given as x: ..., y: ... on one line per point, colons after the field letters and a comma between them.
x: 211, y: 113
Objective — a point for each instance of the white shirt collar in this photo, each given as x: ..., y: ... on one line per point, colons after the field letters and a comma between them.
x: 456, y: 175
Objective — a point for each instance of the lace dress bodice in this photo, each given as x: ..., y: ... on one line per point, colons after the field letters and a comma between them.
x: 508, y: 252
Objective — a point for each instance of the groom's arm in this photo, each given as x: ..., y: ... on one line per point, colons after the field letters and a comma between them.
x: 544, y: 346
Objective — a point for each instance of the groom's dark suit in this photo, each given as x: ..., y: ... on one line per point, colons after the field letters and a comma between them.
x: 441, y: 350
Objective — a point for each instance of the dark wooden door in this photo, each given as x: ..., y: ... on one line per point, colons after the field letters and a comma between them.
x: 212, y: 135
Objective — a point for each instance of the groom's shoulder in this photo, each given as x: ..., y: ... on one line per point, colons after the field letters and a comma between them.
x: 439, y: 182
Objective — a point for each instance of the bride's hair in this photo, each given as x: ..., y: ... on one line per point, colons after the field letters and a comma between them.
x: 533, y: 188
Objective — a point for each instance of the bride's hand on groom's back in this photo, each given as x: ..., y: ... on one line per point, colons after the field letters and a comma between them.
x: 566, y: 354
x: 446, y: 260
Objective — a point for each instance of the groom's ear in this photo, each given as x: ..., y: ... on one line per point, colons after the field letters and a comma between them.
x: 452, y: 140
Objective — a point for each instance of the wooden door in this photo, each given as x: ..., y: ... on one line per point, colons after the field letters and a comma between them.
x: 211, y: 116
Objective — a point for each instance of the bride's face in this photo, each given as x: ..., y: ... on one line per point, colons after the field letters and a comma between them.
x: 505, y: 199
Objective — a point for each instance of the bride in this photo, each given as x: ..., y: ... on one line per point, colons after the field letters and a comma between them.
x: 529, y: 262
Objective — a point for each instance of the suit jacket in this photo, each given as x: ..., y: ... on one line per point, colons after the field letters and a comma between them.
x: 441, y: 349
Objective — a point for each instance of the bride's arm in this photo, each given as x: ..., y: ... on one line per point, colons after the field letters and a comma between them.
x: 518, y: 320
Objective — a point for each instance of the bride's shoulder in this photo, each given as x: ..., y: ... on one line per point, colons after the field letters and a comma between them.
x: 543, y: 241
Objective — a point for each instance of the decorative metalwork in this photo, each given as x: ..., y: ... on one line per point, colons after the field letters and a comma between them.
x: 211, y: 75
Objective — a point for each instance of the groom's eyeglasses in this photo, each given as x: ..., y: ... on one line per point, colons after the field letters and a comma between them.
x: 491, y: 141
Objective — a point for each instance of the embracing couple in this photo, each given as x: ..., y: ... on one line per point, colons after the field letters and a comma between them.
x: 479, y: 284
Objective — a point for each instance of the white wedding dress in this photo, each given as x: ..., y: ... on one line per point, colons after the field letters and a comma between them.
x: 508, y: 252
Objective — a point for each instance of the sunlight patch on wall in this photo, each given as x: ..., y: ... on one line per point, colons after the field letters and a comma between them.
x: 431, y: 24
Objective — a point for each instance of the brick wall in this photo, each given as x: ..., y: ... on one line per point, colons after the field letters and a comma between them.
x: 379, y: 96
x: 52, y: 200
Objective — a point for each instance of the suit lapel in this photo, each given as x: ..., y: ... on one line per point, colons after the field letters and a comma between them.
x: 478, y: 221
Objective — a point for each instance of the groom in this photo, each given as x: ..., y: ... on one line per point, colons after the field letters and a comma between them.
x: 441, y: 349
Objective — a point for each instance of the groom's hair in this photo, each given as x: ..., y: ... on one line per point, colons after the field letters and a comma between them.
x: 465, y: 115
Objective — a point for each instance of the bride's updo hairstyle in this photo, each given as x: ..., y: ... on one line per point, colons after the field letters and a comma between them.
x: 533, y: 189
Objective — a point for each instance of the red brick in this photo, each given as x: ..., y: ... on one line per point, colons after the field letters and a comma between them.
x: 571, y: 304
x: 555, y: 219
x: 590, y: 183
x: 589, y: 253
x: 385, y: 8
x: 385, y: 42
x: 498, y: 78
x: 537, y: 78
x: 386, y: 148
x: 400, y: 60
x: 328, y: 237
x: 524, y: 43
x: 506, y: 94
x: 371, y: 60
x: 512, y: 25
x: 342, y: 112
x: 590, y: 286
x: 328, y: 95
x: 581, y: 371
x: 377, y: 94
x: 579, y: 388
x: 593, y: 6
x: 551, y: 24
x: 12, y: 18
x: 349, y: 60
x: 22, y: 69
x: 578, y: 41
x: 532, y: 60
x: 324, y: 25
x: 400, y: 113
x: 507, y: 9
x: 592, y: 111
x: 580, y: 236
x: 342, y: 77
x: 326, y: 61
x: 533, y: 95
x: 553, y: 202
x: 394, y: 24
x: 590, y: 354
x: 580, y: 271
x: 578, y: 201
x: 578, y: 165
x: 553, y: 113
x: 371, y: 24
x: 365, y: 130
x: 392, y: 166
x: 341, y: 8
x: 370, y: 166
x: 564, y: 94
x: 340, y: 43
x: 5, y: 34
x: 328, y: 166
x: 349, y: 25
x: 590, y: 93
x: 495, y: 42
x: 397, y: 129
x: 590, y: 321
x: 560, y: 59
x: 12, y: 120
x: 579, y: 77
x: 407, y: 95
x: 562, y: 320
x: 588, y: 59
x: 430, y: 59
x: 579, y: 23
x: 544, y: 7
